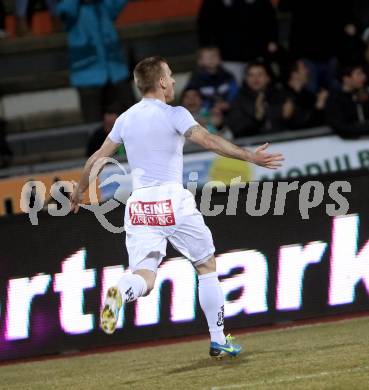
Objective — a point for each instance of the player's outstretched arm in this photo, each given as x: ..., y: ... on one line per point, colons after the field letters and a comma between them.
x: 92, y: 168
x: 199, y: 135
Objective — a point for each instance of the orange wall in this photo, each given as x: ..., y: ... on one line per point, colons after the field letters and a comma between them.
x: 140, y: 11
x: 148, y: 10
x: 11, y: 189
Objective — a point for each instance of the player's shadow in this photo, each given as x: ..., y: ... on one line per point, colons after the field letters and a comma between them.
x: 206, y: 363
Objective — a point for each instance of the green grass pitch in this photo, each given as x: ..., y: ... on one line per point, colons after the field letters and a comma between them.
x: 332, y: 355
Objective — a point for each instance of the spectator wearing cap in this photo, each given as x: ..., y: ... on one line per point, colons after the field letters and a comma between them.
x: 242, y: 29
x: 260, y: 106
x: 320, y: 32
x: 309, y: 109
x: 348, y: 108
x: 217, y: 86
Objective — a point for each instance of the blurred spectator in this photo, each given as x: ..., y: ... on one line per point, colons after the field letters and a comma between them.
x: 99, y: 135
x: 260, y: 107
x: 278, y: 63
x: 213, y: 119
x: 361, y: 17
x: 97, y: 65
x: 320, y: 31
x: 217, y: 86
x: 2, y: 20
x: 366, y: 59
x: 5, y: 152
x: 309, y: 109
x: 243, y: 30
x: 21, y: 12
x: 348, y: 108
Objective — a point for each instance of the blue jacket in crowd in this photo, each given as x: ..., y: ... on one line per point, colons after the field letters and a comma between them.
x: 96, y: 55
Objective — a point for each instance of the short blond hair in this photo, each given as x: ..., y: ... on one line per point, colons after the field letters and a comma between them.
x: 148, y: 72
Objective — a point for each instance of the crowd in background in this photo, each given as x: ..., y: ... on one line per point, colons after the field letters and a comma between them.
x: 320, y: 79
x: 246, y: 82
x: 23, y: 12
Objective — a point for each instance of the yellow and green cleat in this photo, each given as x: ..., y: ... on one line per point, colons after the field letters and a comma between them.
x: 218, y: 351
x: 110, y: 312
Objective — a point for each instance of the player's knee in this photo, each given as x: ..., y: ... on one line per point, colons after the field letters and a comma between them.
x: 207, y: 267
x: 150, y: 285
x: 149, y: 277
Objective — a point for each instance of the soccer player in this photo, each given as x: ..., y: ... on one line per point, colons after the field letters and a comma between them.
x: 160, y: 209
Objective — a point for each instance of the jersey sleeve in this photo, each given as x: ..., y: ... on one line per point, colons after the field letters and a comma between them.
x: 182, y: 119
x: 115, y: 134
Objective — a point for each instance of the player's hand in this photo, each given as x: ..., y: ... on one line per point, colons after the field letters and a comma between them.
x: 75, y: 198
x: 260, y: 106
x: 272, y: 47
x: 350, y: 29
x: 321, y: 100
x: 288, y: 109
x: 267, y: 160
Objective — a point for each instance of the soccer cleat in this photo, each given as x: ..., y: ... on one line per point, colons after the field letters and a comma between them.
x: 218, y: 351
x: 110, y: 312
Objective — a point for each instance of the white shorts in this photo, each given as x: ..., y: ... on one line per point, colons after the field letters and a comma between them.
x: 155, y: 215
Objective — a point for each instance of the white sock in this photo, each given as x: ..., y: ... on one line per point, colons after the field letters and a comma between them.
x: 132, y: 286
x: 212, y: 303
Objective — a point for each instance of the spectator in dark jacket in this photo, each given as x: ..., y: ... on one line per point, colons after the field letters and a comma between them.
x: 5, y: 152
x: 243, y: 30
x: 366, y: 59
x: 21, y: 13
x: 99, y: 135
x: 217, y: 86
x: 361, y: 15
x: 2, y: 20
x: 97, y: 66
x: 348, y: 109
x: 319, y: 32
x: 260, y: 107
x: 212, y: 119
x: 309, y: 109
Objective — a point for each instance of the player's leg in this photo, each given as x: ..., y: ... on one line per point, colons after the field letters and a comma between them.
x: 129, y: 287
x: 211, y: 299
x: 140, y: 282
x: 146, y: 247
x: 194, y: 240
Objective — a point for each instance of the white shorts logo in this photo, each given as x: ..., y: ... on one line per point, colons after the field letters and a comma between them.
x: 159, y: 213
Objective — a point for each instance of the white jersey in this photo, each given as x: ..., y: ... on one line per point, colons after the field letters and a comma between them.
x: 153, y: 136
